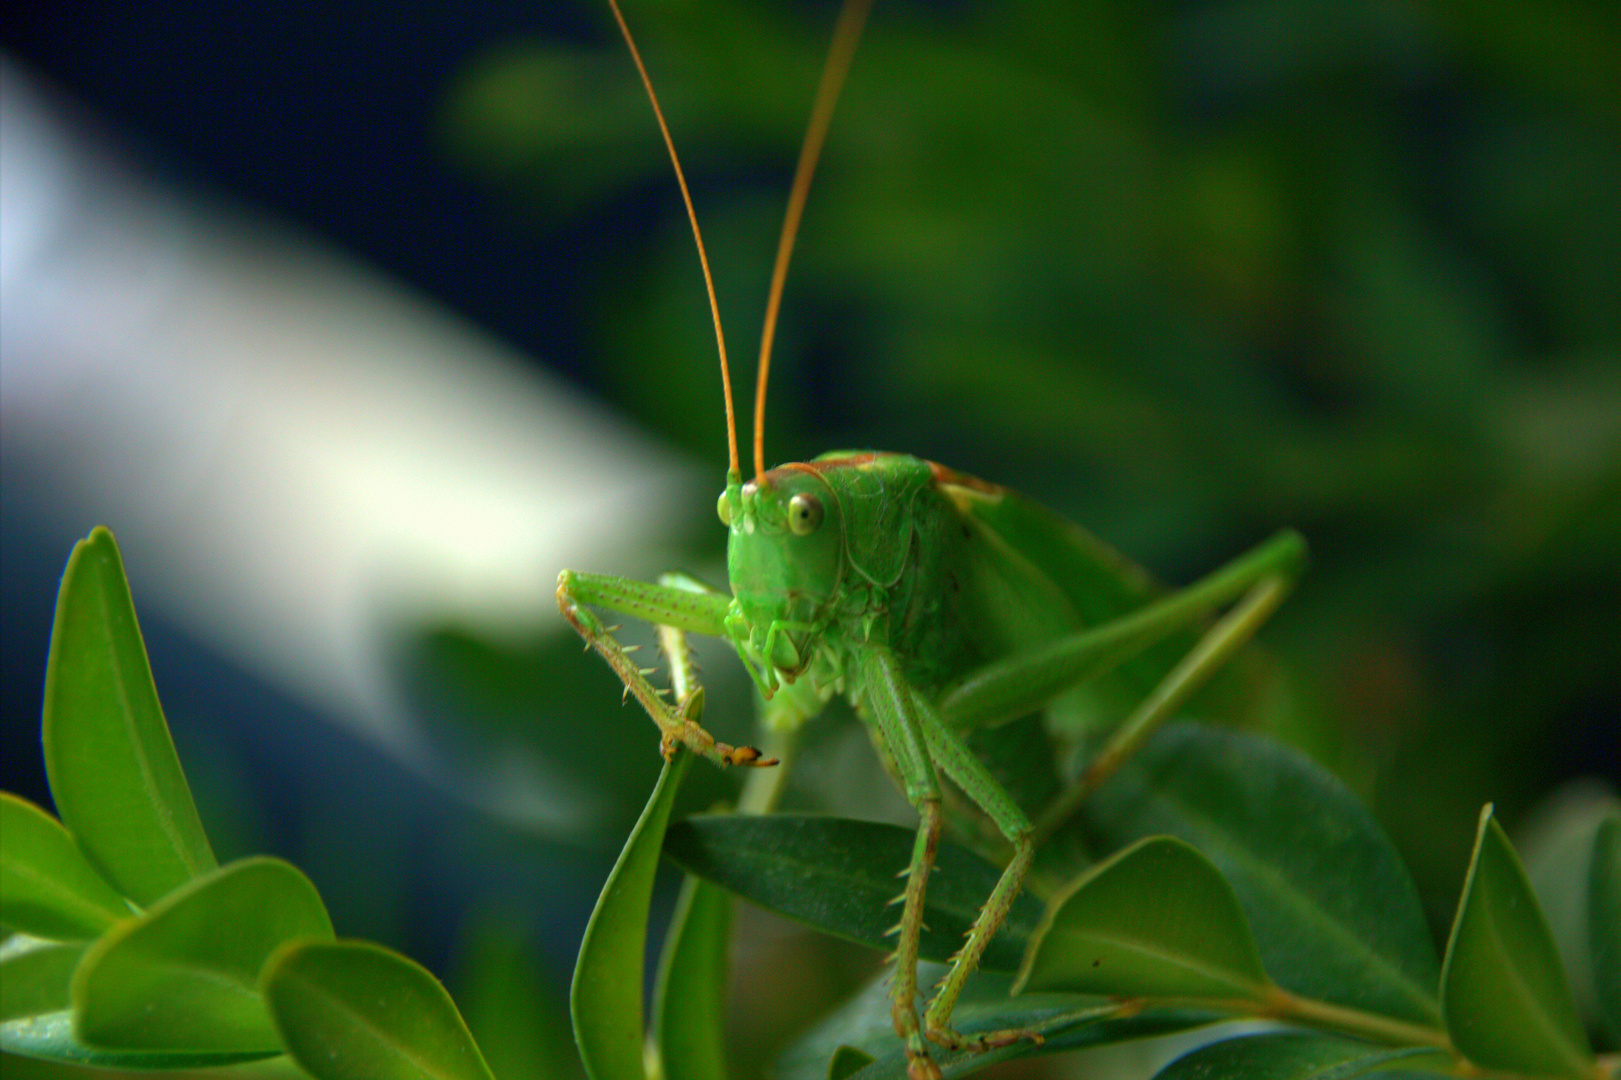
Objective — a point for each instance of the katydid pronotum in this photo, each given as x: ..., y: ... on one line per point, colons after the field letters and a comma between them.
x: 933, y: 601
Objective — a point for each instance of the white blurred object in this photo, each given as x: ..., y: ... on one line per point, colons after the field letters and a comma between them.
x: 292, y: 452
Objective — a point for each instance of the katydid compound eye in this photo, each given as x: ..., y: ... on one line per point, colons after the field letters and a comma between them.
x: 723, y: 507
x: 804, y: 514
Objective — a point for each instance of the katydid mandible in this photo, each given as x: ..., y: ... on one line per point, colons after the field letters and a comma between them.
x: 934, y: 602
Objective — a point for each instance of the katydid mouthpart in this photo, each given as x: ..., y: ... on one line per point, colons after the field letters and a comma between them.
x: 934, y: 602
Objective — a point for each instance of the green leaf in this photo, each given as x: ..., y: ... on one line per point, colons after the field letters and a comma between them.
x: 47, y: 889
x: 34, y: 975
x: 689, y: 996
x: 185, y: 975
x: 605, y: 998
x: 1296, y: 1056
x: 1333, y: 910
x: 838, y: 876
x: 846, y: 1062
x: 1503, y: 989
x: 1555, y: 843
x: 1067, y: 1021
x: 1604, y: 921
x: 352, y: 1010
x: 114, y: 775
x: 1155, y: 920
x: 516, y: 1012
x: 50, y: 1037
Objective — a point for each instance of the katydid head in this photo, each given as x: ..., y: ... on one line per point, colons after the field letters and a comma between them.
x: 785, y: 556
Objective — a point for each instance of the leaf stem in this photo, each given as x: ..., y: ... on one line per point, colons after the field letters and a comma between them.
x: 1283, y: 1005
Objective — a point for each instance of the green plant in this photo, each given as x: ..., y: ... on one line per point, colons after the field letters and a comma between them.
x: 128, y: 945
x: 1233, y: 879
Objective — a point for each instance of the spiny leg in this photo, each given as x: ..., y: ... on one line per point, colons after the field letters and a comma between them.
x: 1259, y: 580
x: 677, y: 726
x: 952, y: 754
x: 1214, y: 649
x: 761, y: 788
x: 903, y: 989
x: 1028, y: 681
x: 892, y: 707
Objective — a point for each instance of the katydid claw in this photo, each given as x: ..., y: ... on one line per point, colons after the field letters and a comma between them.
x: 921, y: 1068
x: 743, y: 755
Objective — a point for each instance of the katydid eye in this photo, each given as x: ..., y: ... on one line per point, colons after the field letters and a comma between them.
x: 804, y: 514
x: 723, y: 507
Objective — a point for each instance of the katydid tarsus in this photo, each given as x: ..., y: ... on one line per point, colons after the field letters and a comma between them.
x: 934, y: 602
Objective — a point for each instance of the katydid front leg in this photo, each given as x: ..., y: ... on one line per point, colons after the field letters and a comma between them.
x: 672, y: 605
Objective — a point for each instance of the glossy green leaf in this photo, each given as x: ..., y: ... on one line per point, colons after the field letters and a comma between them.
x: 352, y: 1010
x: 1604, y: 922
x: 35, y: 974
x: 838, y: 876
x: 1155, y: 920
x: 606, y: 996
x: 1297, y: 1056
x: 1067, y: 1021
x: 50, y: 1037
x: 46, y: 887
x: 114, y: 775
x: 689, y: 996
x: 185, y: 975
x: 1333, y: 910
x: 1503, y: 989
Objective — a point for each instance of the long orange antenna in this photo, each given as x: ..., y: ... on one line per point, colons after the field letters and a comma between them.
x: 852, y: 17
x: 703, y: 257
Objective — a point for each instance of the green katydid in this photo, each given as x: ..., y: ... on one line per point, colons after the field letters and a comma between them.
x: 934, y: 602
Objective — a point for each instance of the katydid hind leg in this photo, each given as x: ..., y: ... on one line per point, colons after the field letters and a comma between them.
x: 1030, y: 680
x: 1213, y: 650
x: 1258, y: 581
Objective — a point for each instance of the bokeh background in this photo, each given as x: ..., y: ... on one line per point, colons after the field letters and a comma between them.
x: 1187, y: 273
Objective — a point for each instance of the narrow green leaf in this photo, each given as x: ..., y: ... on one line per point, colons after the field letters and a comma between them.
x: 689, y: 996
x: 50, y: 1038
x: 47, y: 889
x: 34, y: 975
x: 846, y: 1062
x: 1555, y: 843
x: 1067, y: 1021
x: 1297, y: 1056
x: 1155, y: 920
x: 1334, y: 912
x: 352, y: 1010
x: 1604, y: 922
x: 605, y: 998
x: 1503, y: 989
x: 838, y: 876
x: 501, y: 983
x: 185, y: 975
x: 112, y: 766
